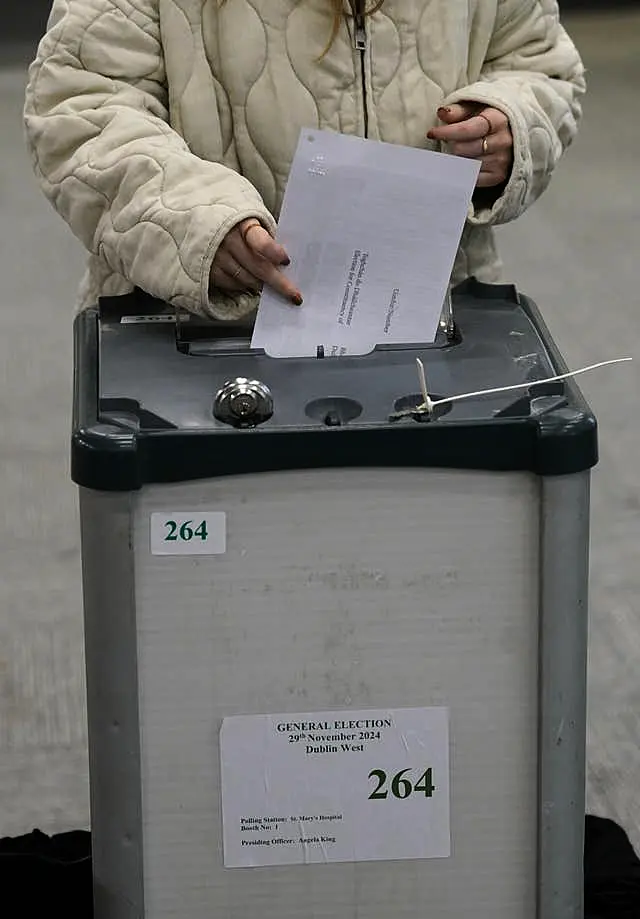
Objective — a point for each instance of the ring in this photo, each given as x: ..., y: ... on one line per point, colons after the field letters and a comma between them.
x: 236, y: 274
x: 489, y: 125
x: 244, y: 233
x: 485, y: 146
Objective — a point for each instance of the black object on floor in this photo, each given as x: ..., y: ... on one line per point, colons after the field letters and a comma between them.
x: 47, y: 875
x: 612, y: 872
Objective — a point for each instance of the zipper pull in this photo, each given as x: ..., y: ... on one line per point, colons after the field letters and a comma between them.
x: 360, y: 34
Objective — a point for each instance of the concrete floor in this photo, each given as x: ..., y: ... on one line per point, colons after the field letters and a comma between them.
x: 576, y: 253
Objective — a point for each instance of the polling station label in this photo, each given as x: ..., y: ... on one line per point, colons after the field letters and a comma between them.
x: 335, y: 787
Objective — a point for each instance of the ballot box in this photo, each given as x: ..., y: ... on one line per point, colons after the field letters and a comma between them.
x: 335, y: 645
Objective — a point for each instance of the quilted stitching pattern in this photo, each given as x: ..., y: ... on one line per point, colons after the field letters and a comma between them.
x: 156, y: 125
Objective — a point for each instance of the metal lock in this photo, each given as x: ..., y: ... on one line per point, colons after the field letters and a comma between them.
x: 243, y: 403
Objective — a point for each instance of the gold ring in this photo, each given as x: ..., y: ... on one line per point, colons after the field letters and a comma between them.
x: 244, y: 233
x: 485, y: 146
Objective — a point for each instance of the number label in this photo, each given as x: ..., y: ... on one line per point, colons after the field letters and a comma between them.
x: 186, y: 532
x: 196, y: 533
x: 401, y: 785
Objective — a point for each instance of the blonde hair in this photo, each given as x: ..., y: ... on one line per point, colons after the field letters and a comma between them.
x: 370, y: 7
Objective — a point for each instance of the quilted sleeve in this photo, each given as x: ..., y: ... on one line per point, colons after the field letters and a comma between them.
x: 97, y: 128
x: 533, y: 73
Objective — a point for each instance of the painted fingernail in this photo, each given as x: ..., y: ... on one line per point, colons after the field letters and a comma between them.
x: 286, y: 261
x: 444, y: 110
x: 297, y: 300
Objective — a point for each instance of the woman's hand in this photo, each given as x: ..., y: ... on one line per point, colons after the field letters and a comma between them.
x: 479, y: 132
x: 248, y: 258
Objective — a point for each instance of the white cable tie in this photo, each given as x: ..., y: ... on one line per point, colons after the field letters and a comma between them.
x: 430, y: 405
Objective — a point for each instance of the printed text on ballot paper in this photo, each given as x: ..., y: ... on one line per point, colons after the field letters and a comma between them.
x: 351, y: 298
x: 335, y: 786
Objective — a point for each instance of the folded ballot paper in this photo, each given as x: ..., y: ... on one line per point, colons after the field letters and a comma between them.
x: 372, y: 230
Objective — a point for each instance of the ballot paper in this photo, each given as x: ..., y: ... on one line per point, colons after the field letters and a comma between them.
x: 372, y: 230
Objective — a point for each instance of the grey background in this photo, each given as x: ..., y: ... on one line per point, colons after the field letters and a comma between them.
x: 575, y: 252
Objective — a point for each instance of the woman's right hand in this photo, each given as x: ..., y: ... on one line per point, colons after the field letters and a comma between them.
x: 248, y: 258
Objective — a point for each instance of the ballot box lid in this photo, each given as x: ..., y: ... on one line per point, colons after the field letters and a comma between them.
x: 149, y: 398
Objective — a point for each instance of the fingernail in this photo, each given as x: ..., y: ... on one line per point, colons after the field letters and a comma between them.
x: 296, y: 299
x: 444, y: 110
x: 286, y: 261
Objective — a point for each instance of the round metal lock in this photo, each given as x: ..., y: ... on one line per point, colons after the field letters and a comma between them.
x: 243, y: 403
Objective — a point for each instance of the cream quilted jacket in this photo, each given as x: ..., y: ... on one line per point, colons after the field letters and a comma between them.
x: 156, y: 125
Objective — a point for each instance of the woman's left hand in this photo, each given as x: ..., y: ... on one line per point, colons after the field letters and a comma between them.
x: 478, y: 132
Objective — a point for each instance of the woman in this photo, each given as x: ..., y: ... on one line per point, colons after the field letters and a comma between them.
x: 163, y: 130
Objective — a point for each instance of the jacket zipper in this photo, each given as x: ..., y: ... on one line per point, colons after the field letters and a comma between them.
x: 360, y: 43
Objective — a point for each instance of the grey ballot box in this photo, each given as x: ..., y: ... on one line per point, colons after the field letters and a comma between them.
x: 289, y: 545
